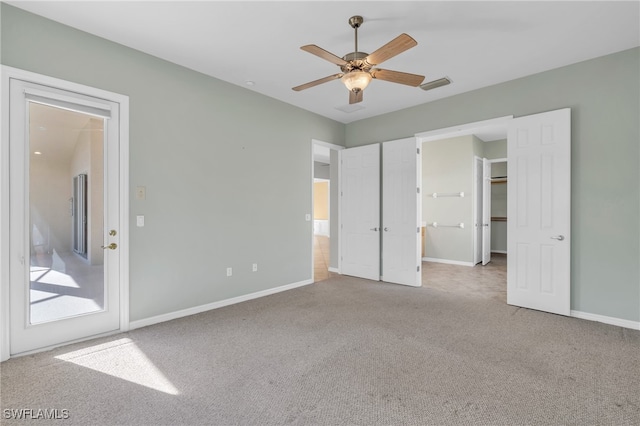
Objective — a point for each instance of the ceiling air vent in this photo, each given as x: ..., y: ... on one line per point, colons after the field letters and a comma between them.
x: 435, y: 83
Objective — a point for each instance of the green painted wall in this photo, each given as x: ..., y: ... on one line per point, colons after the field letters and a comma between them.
x: 604, y: 97
x: 447, y: 167
x: 227, y: 170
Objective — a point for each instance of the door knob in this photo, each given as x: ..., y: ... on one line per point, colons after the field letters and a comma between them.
x: 374, y: 229
x: 113, y: 232
x: 386, y: 229
x: 111, y: 246
x: 558, y: 237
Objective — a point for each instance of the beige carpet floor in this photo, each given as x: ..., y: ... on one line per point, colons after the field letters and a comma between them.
x: 344, y: 351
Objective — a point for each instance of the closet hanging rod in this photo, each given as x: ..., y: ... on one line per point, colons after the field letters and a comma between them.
x: 447, y: 194
x: 437, y: 225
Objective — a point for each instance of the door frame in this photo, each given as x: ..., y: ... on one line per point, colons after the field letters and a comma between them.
x: 336, y: 186
x: 6, y: 74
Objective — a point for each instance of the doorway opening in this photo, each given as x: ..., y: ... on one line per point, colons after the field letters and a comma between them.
x: 321, y: 223
x: 458, y: 211
x: 325, y: 199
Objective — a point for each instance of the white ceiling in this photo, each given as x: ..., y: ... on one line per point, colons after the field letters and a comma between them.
x: 475, y: 44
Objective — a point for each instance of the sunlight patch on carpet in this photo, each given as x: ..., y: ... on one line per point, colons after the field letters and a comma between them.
x: 122, y: 359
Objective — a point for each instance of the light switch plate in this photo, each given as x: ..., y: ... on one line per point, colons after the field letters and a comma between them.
x: 307, y: 217
x: 140, y: 220
x: 141, y: 193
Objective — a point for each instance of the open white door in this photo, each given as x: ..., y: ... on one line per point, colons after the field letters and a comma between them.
x: 360, y: 211
x: 486, y: 211
x: 478, y: 184
x: 539, y: 212
x: 401, y: 213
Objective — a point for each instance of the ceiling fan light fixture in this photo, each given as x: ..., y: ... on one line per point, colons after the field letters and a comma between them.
x: 356, y: 80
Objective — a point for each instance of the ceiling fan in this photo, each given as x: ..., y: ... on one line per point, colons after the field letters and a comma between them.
x: 358, y: 67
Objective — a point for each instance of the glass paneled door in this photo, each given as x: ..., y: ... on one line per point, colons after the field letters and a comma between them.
x: 64, y: 167
x: 66, y: 214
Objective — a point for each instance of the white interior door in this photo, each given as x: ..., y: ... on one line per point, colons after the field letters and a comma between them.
x: 539, y: 212
x: 60, y: 290
x: 477, y: 210
x: 401, y: 212
x: 360, y: 211
x: 486, y: 211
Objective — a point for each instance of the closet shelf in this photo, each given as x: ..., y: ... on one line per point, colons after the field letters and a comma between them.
x: 498, y: 219
x: 501, y: 179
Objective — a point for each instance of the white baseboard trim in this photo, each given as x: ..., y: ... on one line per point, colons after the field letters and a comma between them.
x: 499, y: 251
x: 215, y: 305
x: 634, y: 325
x: 336, y: 270
x: 447, y: 261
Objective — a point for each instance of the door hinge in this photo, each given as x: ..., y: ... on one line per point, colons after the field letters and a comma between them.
x: 418, y: 268
x: 418, y: 189
x: 418, y: 150
x: 341, y: 194
x: 418, y: 230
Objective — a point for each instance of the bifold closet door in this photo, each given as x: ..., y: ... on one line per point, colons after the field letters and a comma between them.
x: 486, y: 211
x: 401, y: 212
x: 360, y: 211
x: 389, y: 246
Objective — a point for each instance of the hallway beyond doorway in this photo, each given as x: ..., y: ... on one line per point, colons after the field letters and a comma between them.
x: 321, y: 258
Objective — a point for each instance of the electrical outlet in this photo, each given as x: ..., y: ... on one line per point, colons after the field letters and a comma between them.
x: 229, y: 272
x: 255, y: 267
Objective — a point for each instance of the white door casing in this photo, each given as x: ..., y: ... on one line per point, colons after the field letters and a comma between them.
x: 486, y: 211
x: 360, y: 211
x: 539, y: 212
x: 401, y: 212
x: 19, y: 336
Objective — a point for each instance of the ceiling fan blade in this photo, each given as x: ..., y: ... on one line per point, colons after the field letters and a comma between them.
x: 316, y: 82
x: 397, y: 77
x: 320, y: 52
x: 355, y: 97
x: 394, y: 47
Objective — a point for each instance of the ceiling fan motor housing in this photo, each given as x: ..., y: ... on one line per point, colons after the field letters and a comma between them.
x: 355, y: 62
x: 356, y: 21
